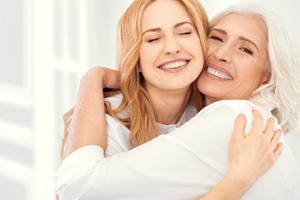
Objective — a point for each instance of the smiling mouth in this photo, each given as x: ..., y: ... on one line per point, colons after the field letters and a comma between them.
x: 218, y: 74
x: 173, y: 65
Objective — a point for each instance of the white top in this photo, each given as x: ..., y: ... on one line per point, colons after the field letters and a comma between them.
x: 118, y: 135
x: 183, y: 164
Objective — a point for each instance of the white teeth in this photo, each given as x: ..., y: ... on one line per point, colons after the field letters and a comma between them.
x: 174, y: 65
x: 218, y: 74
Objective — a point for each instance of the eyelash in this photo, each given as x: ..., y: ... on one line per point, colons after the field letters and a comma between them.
x: 185, y: 33
x: 244, y: 49
x: 153, y: 40
x: 216, y: 38
x: 182, y: 33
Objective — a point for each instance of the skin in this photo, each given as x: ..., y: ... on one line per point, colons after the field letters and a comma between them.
x: 250, y: 155
x: 237, y: 53
x: 169, y: 52
x: 170, y: 57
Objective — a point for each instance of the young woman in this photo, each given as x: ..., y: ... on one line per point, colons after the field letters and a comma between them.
x: 157, y: 76
x: 188, y: 162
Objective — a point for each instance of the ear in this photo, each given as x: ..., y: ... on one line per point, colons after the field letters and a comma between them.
x: 267, y: 76
x: 266, y: 79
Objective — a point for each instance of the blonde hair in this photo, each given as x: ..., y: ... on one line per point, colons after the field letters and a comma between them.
x: 141, y: 120
x: 281, y: 94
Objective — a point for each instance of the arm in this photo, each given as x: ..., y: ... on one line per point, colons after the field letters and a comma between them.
x: 88, y: 124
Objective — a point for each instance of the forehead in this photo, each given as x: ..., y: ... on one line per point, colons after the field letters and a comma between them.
x: 244, y: 25
x: 163, y: 13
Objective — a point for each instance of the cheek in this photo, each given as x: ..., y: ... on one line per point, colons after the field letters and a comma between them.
x: 149, y: 53
x: 196, y: 45
x: 145, y: 56
x: 146, y: 61
x: 253, y: 76
x: 210, y: 50
x: 259, y: 72
x: 142, y: 54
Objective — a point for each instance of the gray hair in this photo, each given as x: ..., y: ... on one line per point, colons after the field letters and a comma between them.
x: 282, y: 94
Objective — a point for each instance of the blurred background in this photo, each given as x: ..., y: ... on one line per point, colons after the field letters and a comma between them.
x: 45, y: 47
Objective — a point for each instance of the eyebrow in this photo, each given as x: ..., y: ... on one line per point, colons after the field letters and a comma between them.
x: 240, y: 38
x: 175, y: 26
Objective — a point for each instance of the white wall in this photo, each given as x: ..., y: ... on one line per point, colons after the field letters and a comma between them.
x: 45, y: 47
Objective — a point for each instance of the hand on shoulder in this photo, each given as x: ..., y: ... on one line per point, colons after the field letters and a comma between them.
x: 101, y: 76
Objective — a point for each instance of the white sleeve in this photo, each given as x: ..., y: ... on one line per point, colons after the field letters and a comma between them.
x: 117, y: 134
x: 117, y: 137
x: 75, y: 171
x: 184, y: 164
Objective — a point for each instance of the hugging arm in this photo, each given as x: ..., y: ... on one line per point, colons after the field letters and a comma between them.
x: 88, y: 130
x: 88, y: 124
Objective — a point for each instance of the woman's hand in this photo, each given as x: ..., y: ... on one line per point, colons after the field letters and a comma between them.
x: 250, y: 156
x: 253, y: 154
x: 106, y: 77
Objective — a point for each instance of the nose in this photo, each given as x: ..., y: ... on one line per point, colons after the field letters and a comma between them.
x: 223, y: 53
x: 172, y: 46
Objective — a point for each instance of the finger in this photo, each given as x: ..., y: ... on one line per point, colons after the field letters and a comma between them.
x: 276, y: 138
x: 111, y: 79
x: 277, y: 151
x: 269, y: 129
x: 258, y: 122
x: 239, y: 126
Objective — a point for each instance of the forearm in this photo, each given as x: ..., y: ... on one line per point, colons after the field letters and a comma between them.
x: 88, y: 124
x: 231, y: 187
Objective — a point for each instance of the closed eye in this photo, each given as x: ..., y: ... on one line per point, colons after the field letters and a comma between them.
x: 185, y: 33
x: 246, y: 50
x: 216, y: 38
x: 153, y: 40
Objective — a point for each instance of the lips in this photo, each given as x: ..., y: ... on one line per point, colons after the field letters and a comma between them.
x: 218, y: 74
x: 174, y: 64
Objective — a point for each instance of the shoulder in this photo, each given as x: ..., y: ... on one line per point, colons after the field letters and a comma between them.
x: 117, y: 137
x: 234, y: 107
x: 225, y: 112
x: 114, y: 100
x: 118, y: 134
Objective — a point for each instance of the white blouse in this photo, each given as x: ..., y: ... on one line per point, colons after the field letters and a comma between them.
x: 118, y: 135
x: 184, y: 164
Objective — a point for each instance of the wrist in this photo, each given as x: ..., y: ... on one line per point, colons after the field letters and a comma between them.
x: 94, y: 78
x: 102, y: 77
x: 236, y: 183
x: 230, y: 187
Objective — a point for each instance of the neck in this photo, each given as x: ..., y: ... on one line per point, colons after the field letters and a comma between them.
x: 170, y: 106
x: 209, y: 100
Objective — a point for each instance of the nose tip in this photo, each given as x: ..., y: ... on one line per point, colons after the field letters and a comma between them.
x: 222, y: 54
x: 172, y: 46
x: 173, y: 51
x: 223, y: 60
